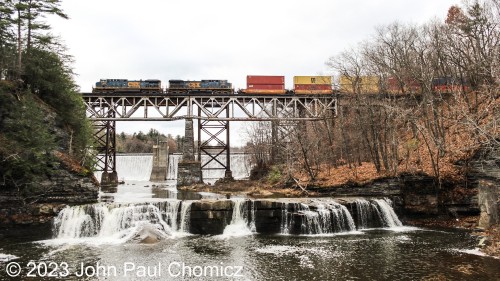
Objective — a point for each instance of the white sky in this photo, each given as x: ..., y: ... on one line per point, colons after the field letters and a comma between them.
x: 221, y: 39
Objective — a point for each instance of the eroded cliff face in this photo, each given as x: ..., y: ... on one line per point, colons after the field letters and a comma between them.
x: 485, y: 174
x: 60, y: 189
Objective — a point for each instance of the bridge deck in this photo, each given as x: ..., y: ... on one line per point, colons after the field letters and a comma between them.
x: 157, y: 107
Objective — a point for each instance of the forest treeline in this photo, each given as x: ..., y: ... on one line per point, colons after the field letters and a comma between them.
x: 42, y: 116
x: 143, y: 142
x: 417, y: 130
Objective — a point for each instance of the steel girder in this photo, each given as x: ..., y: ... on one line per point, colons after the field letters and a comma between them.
x: 241, y: 107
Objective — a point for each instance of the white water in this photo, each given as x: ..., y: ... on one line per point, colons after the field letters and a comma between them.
x: 6, y: 258
x: 240, y: 166
x: 132, y: 167
x: 328, y: 218
x: 118, y: 223
x: 364, y: 212
x: 239, y: 225
x: 186, y: 208
x: 138, y: 167
x: 389, y: 217
x: 376, y: 212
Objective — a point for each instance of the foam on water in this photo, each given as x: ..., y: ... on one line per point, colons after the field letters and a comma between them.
x: 6, y: 257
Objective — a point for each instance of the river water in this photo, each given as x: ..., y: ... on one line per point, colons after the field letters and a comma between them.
x: 93, y: 243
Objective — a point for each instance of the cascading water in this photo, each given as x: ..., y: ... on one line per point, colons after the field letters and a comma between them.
x: 363, y: 212
x: 329, y: 217
x: 119, y: 222
x: 240, y: 166
x: 375, y: 213
x: 184, y: 223
x: 387, y: 214
x: 239, y: 225
x: 173, y: 161
x: 133, y: 167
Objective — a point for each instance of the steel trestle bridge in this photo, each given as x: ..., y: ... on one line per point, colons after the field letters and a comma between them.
x: 213, y: 112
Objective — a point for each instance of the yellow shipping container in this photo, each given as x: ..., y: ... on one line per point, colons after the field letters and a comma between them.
x: 308, y: 80
x: 367, y: 85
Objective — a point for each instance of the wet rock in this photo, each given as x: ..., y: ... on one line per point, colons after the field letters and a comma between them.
x: 148, y: 235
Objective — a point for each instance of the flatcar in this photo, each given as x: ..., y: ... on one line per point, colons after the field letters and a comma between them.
x: 149, y: 86
x: 201, y: 87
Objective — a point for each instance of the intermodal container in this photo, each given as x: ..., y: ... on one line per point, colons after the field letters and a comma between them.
x: 266, y: 87
x: 265, y: 80
x: 366, y: 85
x: 304, y: 80
x: 313, y: 89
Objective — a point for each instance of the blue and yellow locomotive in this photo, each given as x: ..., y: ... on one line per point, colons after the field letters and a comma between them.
x: 203, y: 87
x: 150, y: 86
x: 176, y: 87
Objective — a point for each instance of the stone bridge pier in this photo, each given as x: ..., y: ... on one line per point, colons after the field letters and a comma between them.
x: 189, y: 169
x: 160, y: 162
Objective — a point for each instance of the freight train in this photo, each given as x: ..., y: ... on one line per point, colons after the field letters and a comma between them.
x: 392, y: 85
x: 256, y: 84
x: 274, y: 85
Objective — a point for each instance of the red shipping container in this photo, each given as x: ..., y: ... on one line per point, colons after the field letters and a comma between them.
x: 265, y: 80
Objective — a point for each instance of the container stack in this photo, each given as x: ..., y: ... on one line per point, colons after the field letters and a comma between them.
x: 311, y: 85
x: 258, y: 84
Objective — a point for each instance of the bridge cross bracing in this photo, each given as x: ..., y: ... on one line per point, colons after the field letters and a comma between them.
x: 105, y: 109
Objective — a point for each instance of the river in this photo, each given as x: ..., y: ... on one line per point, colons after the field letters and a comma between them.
x: 93, y: 243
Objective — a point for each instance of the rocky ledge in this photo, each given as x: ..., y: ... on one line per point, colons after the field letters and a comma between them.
x: 61, y: 189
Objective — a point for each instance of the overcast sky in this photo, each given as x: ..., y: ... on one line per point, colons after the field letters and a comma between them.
x: 221, y: 39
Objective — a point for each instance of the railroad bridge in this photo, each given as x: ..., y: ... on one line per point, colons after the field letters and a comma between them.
x: 213, y: 114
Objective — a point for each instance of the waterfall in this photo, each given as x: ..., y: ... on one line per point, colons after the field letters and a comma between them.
x: 133, y: 167
x: 364, y: 213
x: 253, y: 228
x: 329, y: 217
x: 323, y: 216
x: 240, y: 166
x: 186, y: 208
x: 386, y: 213
x: 111, y: 223
x: 239, y: 225
x: 118, y: 222
x: 287, y: 217
x: 376, y: 213
x: 173, y: 161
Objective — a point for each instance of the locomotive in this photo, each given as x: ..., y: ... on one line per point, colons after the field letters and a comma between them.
x: 212, y: 87
x: 152, y: 86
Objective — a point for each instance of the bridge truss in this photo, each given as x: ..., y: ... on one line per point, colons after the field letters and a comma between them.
x: 213, y: 112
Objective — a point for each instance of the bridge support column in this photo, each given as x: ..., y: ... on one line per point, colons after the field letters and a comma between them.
x: 160, y: 162
x: 105, y: 136
x: 216, y: 143
x: 189, y: 170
